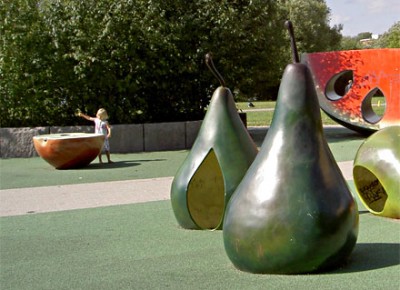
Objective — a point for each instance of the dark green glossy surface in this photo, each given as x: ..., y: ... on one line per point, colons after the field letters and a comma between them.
x: 223, y: 131
x: 293, y: 212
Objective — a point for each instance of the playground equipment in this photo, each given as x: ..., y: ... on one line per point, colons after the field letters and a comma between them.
x: 348, y: 81
x: 376, y: 172
x: 70, y: 150
x: 219, y: 158
x: 293, y: 211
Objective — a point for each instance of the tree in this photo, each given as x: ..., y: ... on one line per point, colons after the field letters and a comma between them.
x: 364, y: 35
x: 349, y: 43
x: 144, y: 60
x: 24, y: 64
x: 311, y: 25
x: 391, y: 38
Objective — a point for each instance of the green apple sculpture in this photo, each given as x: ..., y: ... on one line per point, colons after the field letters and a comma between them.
x: 293, y: 211
x: 376, y: 172
x: 217, y: 162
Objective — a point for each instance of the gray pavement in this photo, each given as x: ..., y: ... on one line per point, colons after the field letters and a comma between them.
x: 21, y: 201
x: 32, y: 200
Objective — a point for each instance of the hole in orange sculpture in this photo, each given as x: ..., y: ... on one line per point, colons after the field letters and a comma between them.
x: 339, y: 85
x: 373, y: 106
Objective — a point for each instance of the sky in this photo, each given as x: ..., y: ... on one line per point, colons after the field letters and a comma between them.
x: 375, y: 16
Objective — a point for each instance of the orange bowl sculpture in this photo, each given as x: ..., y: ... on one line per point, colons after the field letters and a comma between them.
x: 69, y: 150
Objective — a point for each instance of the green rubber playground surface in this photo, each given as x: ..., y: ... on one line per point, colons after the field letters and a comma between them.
x: 33, y: 172
x: 140, y: 246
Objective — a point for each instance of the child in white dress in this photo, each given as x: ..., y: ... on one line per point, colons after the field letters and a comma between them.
x: 101, y: 127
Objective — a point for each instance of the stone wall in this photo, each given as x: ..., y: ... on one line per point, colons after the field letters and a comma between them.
x: 17, y: 142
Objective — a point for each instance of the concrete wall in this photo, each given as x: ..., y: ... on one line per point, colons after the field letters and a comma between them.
x: 17, y: 142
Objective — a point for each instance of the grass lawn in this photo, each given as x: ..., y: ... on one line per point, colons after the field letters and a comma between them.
x: 262, y: 112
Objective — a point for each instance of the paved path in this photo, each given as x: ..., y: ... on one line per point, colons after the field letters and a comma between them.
x: 22, y: 201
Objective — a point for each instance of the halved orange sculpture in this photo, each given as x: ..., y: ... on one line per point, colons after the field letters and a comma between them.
x: 347, y: 80
x: 70, y: 150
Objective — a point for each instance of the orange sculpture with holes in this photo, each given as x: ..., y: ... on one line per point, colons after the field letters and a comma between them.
x: 347, y: 82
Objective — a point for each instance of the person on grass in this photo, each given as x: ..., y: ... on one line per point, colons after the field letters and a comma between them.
x: 101, y: 126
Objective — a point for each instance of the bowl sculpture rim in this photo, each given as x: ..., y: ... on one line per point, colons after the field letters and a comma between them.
x: 60, y: 136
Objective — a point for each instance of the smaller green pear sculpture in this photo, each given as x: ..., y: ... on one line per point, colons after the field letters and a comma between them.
x: 217, y: 162
x: 293, y: 211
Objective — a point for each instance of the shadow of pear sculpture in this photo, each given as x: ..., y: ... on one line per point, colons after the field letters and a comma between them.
x: 217, y: 162
x: 293, y: 211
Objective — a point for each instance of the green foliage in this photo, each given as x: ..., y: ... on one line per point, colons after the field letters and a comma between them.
x: 391, y: 38
x: 349, y: 43
x: 143, y: 60
x: 311, y: 25
x: 364, y: 35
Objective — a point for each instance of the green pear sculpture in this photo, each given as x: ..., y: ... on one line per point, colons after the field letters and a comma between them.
x: 217, y: 162
x: 293, y: 211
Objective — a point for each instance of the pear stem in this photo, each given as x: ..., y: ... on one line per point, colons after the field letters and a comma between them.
x: 295, y: 54
x: 213, y: 69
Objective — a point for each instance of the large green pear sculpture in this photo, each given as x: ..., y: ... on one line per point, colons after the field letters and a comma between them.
x: 217, y: 162
x: 293, y: 211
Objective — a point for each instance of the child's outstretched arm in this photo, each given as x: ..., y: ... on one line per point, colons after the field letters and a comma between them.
x: 85, y: 116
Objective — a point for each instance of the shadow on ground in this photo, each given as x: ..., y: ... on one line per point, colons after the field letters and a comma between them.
x: 118, y: 164
x: 336, y: 134
x: 372, y: 256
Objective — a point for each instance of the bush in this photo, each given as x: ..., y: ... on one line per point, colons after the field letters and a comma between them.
x: 141, y: 60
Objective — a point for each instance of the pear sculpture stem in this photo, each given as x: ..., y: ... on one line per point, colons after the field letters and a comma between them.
x: 295, y: 54
x: 213, y: 69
